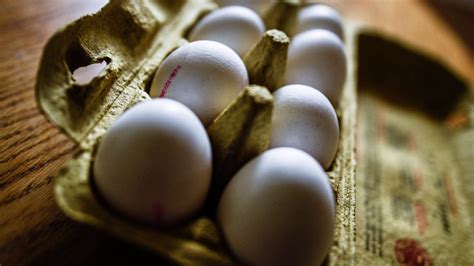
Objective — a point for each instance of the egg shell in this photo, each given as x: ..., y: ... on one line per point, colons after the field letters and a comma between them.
x: 259, y: 6
x: 319, y: 16
x: 203, y: 75
x: 303, y: 118
x: 279, y: 209
x: 316, y: 58
x: 237, y: 27
x: 154, y: 164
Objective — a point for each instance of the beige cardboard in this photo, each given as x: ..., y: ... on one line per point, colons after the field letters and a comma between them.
x: 414, y: 175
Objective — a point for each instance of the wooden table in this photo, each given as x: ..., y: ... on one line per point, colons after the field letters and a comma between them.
x: 33, y: 231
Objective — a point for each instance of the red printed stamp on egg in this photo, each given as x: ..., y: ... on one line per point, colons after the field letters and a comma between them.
x: 168, y: 81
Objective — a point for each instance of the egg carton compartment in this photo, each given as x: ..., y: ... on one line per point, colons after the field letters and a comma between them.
x: 133, y: 38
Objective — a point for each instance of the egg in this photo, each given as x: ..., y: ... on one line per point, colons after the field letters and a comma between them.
x: 303, y: 118
x: 259, y: 6
x: 279, y: 209
x: 203, y: 75
x: 316, y: 58
x: 237, y: 27
x: 154, y: 164
x: 319, y: 16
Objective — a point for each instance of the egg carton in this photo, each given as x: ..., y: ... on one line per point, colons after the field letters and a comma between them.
x: 133, y: 38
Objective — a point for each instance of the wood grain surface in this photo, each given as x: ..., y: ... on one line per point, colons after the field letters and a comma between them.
x: 33, y: 231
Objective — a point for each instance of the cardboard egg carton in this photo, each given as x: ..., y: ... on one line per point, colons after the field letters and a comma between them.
x: 414, y: 167
x: 134, y: 37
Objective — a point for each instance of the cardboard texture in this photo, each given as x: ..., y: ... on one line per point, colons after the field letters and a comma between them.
x: 134, y: 37
x: 414, y: 154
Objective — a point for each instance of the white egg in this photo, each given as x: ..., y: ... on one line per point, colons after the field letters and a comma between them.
x: 235, y: 26
x: 316, y: 58
x: 279, y: 209
x: 259, y: 6
x: 204, y: 75
x: 319, y: 17
x: 154, y: 164
x: 303, y: 118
